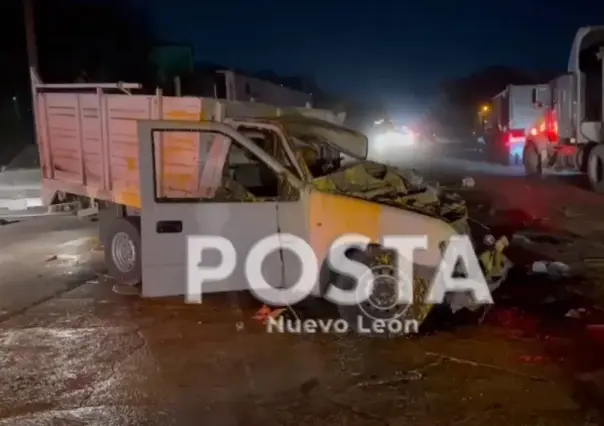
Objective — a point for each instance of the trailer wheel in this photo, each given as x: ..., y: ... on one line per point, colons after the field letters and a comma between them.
x: 582, y: 157
x: 595, y: 168
x: 123, y: 250
x: 532, y: 161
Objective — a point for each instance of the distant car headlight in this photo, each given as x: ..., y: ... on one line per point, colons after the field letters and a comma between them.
x: 394, y: 139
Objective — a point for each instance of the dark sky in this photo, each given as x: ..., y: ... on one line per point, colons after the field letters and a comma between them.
x: 396, y: 51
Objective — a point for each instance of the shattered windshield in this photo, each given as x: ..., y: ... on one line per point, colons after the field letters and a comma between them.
x: 322, y: 159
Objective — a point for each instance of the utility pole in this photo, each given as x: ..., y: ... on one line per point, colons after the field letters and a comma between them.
x: 32, y: 60
x: 30, y: 34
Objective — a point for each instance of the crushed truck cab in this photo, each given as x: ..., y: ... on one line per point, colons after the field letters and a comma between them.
x: 274, y: 176
x: 162, y: 169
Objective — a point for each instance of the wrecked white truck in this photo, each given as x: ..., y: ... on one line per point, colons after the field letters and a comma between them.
x: 159, y: 169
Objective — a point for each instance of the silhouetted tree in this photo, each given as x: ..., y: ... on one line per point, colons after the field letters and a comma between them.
x: 13, y: 55
x: 105, y: 40
x: 93, y: 40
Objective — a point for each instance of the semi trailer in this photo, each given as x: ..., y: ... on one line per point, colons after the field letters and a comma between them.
x: 568, y: 135
x: 507, y: 120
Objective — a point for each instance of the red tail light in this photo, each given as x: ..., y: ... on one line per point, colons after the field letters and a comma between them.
x: 507, y: 138
x: 513, y: 134
x: 551, y: 126
x: 547, y: 127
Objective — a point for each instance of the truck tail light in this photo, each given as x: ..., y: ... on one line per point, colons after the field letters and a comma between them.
x: 551, y: 128
x: 514, y: 135
x: 547, y: 128
x: 507, y: 138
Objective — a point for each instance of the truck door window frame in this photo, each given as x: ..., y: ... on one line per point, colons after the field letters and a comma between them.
x: 278, y: 169
x: 284, y: 142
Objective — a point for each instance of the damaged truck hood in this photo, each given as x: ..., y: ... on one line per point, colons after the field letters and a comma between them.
x: 389, y: 186
x: 406, y: 190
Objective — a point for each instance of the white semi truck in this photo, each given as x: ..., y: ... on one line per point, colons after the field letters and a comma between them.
x: 507, y: 121
x: 569, y: 133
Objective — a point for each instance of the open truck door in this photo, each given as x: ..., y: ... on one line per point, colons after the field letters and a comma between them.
x: 226, y: 199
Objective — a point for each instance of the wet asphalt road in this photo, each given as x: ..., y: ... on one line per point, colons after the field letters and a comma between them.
x: 75, y: 353
x: 41, y: 258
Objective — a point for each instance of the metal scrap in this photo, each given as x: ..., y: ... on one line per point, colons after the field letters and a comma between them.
x: 468, y: 182
x: 552, y: 269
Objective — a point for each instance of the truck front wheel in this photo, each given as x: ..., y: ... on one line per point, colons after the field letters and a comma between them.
x: 123, y: 250
x: 380, y: 314
x: 532, y: 160
x: 595, y: 168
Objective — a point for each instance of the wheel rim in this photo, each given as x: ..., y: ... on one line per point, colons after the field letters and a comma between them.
x: 123, y: 252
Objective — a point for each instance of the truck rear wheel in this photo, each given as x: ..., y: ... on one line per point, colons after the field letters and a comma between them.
x: 595, y: 168
x: 532, y: 160
x: 123, y: 250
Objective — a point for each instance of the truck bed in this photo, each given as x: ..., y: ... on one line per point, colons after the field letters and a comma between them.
x: 89, y: 142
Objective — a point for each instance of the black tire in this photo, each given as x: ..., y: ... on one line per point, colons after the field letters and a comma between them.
x: 119, y: 228
x: 595, y: 168
x: 532, y: 161
x: 362, y: 318
x: 583, y: 156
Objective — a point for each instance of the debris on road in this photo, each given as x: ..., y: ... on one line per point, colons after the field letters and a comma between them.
x: 539, y: 267
x: 398, y: 377
x: 575, y: 313
x: 126, y: 290
x: 569, y: 213
x: 534, y: 237
x: 553, y: 269
x: 520, y: 239
x: 265, y: 312
x: 468, y: 182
